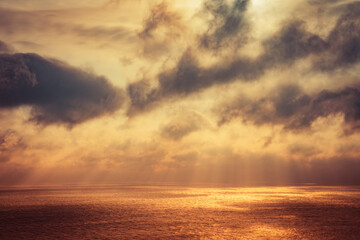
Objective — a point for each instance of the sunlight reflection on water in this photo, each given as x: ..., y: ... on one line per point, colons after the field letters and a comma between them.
x: 123, y: 212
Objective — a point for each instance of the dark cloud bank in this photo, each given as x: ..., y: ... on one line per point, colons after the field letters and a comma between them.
x: 340, y: 50
x: 56, y: 92
x: 290, y: 107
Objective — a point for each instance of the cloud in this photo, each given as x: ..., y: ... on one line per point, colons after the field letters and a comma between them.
x: 291, y: 107
x: 161, y: 30
x: 182, y: 125
x: 57, y: 92
x: 10, y: 141
x: 100, y: 32
x: 344, y: 40
x: 303, y: 150
x: 29, y: 44
x: 5, y: 48
x: 17, y: 22
x: 46, y: 5
x: 225, y: 24
x: 322, y: 2
x: 340, y: 50
x: 291, y: 43
x: 140, y: 94
x: 159, y: 16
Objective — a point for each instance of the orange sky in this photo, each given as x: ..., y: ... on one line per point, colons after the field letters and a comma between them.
x: 216, y: 91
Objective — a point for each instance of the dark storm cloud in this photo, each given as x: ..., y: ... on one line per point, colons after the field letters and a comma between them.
x: 226, y: 23
x: 56, y: 92
x: 188, y: 77
x: 291, y: 43
x: 341, y: 49
x: 294, y: 109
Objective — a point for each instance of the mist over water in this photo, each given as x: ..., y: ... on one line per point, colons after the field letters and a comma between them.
x: 166, y: 212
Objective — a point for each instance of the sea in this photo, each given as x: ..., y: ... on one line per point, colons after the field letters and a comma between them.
x: 176, y: 212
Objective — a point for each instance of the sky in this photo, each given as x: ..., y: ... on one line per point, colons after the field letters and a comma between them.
x: 232, y: 92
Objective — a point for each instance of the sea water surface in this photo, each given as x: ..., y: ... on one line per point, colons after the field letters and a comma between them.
x: 169, y: 212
